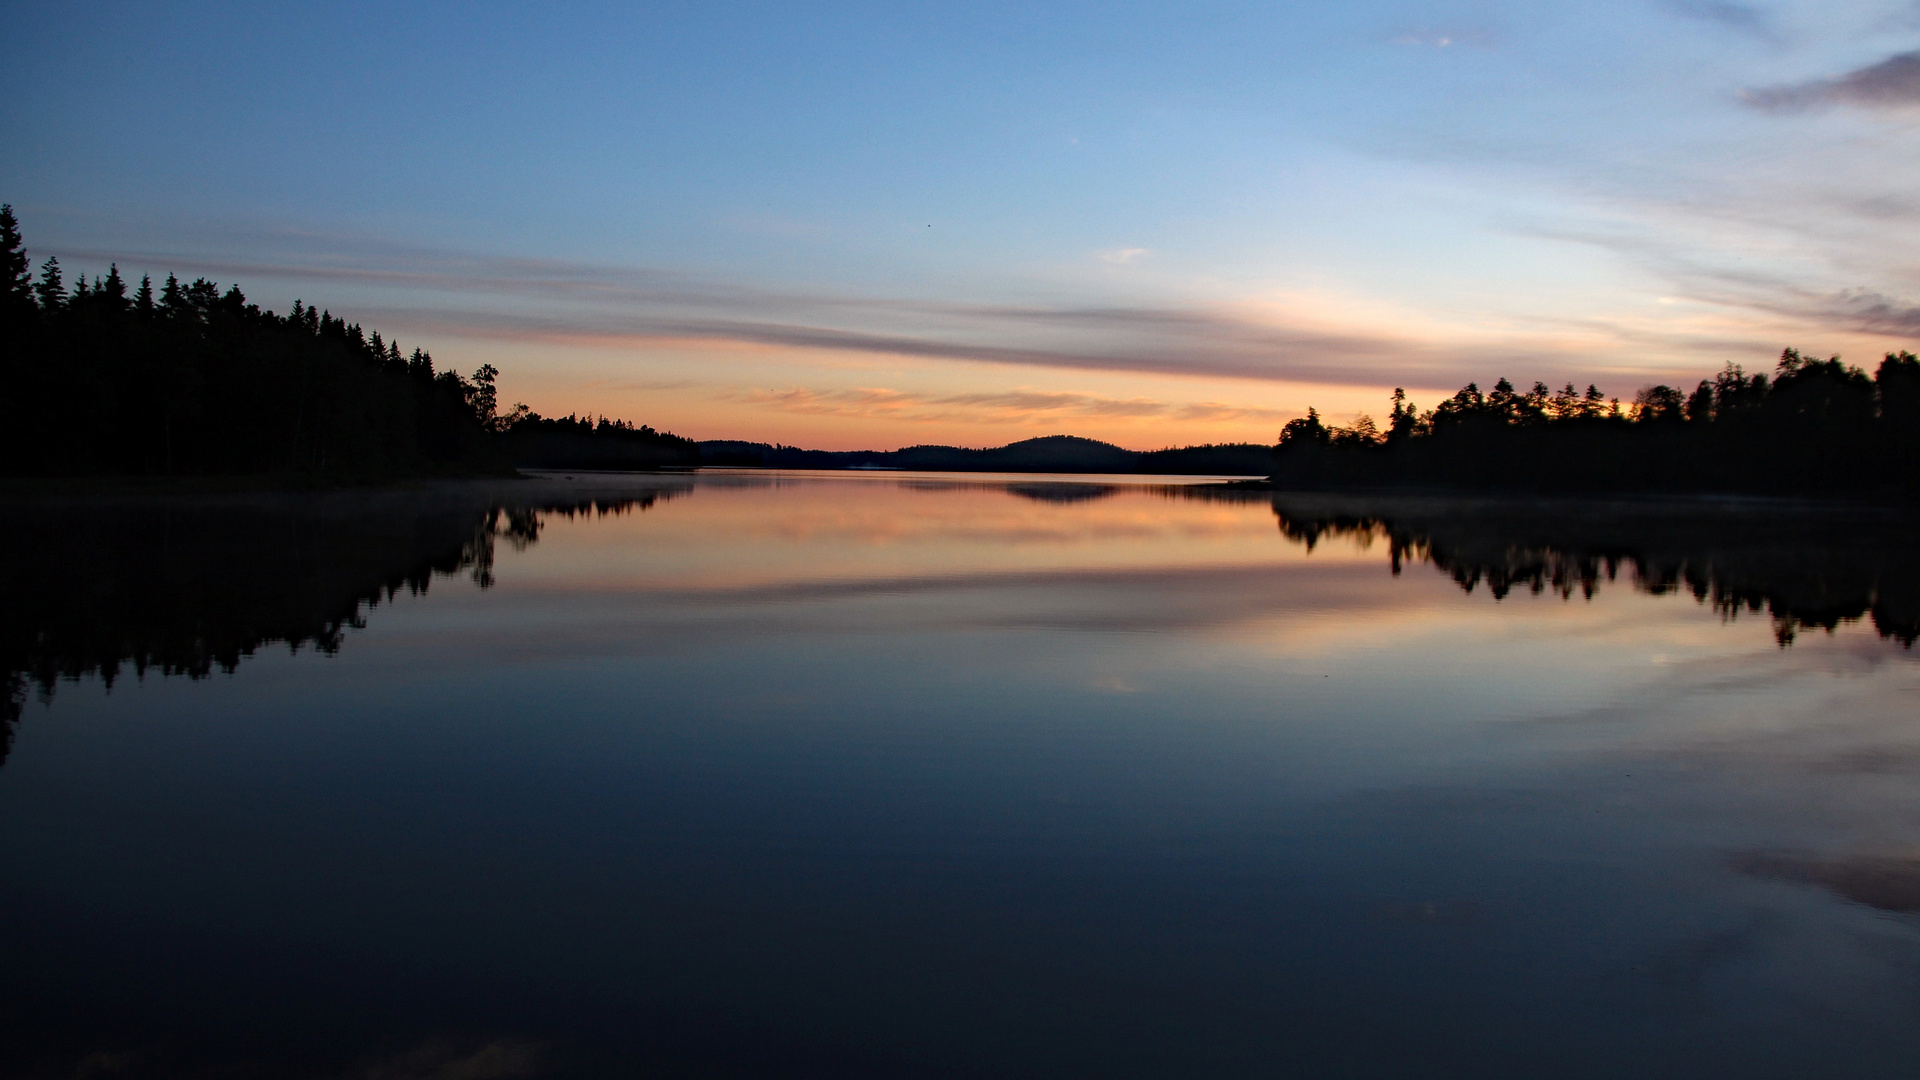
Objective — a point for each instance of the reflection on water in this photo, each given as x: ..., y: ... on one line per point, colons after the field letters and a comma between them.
x: 1058, y: 492
x: 1889, y: 884
x: 1805, y: 568
x: 184, y: 588
x: 913, y: 775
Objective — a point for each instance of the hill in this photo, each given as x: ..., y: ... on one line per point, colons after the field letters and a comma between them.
x: 1051, y: 453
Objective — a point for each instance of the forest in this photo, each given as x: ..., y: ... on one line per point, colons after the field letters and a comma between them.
x: 1811, y: 428
x: 108, y: 377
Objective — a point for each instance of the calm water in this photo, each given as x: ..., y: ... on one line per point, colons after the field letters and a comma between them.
x: 888, y: 775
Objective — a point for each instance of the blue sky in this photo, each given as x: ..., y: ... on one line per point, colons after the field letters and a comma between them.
x: 852, y: 225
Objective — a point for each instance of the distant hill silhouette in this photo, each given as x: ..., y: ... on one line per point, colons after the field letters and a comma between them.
x: 1051, y: 453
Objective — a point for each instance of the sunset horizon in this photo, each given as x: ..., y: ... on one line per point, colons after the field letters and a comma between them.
x: 1158, y: 228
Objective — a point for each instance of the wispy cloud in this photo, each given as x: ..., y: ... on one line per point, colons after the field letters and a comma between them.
x: 424, y: 292
x: 1893, y: 83
x: 1863, y: 311
x: 1122, y: 256
x: 1213, y: 410
x: 1740, y: 18
x: 1022, y: 406
x: 559, y: 302
x: 1815, y: 309
x: 1212, y: 346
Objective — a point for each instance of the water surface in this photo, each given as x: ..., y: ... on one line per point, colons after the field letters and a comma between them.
x: 755, y: 774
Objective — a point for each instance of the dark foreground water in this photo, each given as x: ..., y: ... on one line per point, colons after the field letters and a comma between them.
x: 875, y: 776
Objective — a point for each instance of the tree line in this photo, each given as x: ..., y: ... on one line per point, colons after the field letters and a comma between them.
x: 1813, y: 427
x: 187, y: 379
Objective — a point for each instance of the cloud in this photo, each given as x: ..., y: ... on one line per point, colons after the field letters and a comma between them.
x: 1121, y: 256
x: 1862, y: 310
x: 1212, y: 347
x: 1846, y: 310
x: 477, y: 297
x: 1028, y: 402
x: 1213, y: 410
x: 1893, y: 83
x: 1815, y: 309
x: 1009, y: 407
x: 1741, y: 18
x: 1853, y: 311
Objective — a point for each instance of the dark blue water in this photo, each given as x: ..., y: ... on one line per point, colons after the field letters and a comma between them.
x: 921, y: 776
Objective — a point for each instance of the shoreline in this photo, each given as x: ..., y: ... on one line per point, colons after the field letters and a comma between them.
x: 133, y: 490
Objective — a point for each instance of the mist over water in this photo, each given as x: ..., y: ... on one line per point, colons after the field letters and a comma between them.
x: 751, y: 774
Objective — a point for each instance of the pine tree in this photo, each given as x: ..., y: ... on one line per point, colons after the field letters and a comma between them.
x: 113, y: 288
x: 51, y: 291
x: 143, y: 300
x: 15, y: 272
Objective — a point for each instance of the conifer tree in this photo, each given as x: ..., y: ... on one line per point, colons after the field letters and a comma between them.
x: 50, y: 291
x: 114, y: 288
x: 15, y: 276
x: 173, y: 299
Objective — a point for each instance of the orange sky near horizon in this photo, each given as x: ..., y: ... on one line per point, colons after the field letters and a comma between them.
x: 845, y: 400
x: 880, y: 403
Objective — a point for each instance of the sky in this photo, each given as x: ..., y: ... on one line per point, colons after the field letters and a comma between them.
x: 870, y: 225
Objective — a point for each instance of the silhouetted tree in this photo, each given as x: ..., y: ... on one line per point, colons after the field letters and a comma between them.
x: 1815, y: 427
x: 200, y: 380
x: 51, y: 291
x: 16, y: 283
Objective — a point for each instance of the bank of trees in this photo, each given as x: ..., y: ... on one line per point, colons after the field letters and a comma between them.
x: 111, y: 377
x: 1812, y: 427
x: 587, y: 442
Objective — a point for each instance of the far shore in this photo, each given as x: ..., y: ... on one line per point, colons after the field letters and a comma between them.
x: 586, y: 483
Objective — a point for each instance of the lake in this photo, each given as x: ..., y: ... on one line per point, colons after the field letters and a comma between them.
x: 896, y: 775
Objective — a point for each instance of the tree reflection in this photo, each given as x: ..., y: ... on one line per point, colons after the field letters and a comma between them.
x: 1803, y: 568
x: 185, y: 588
